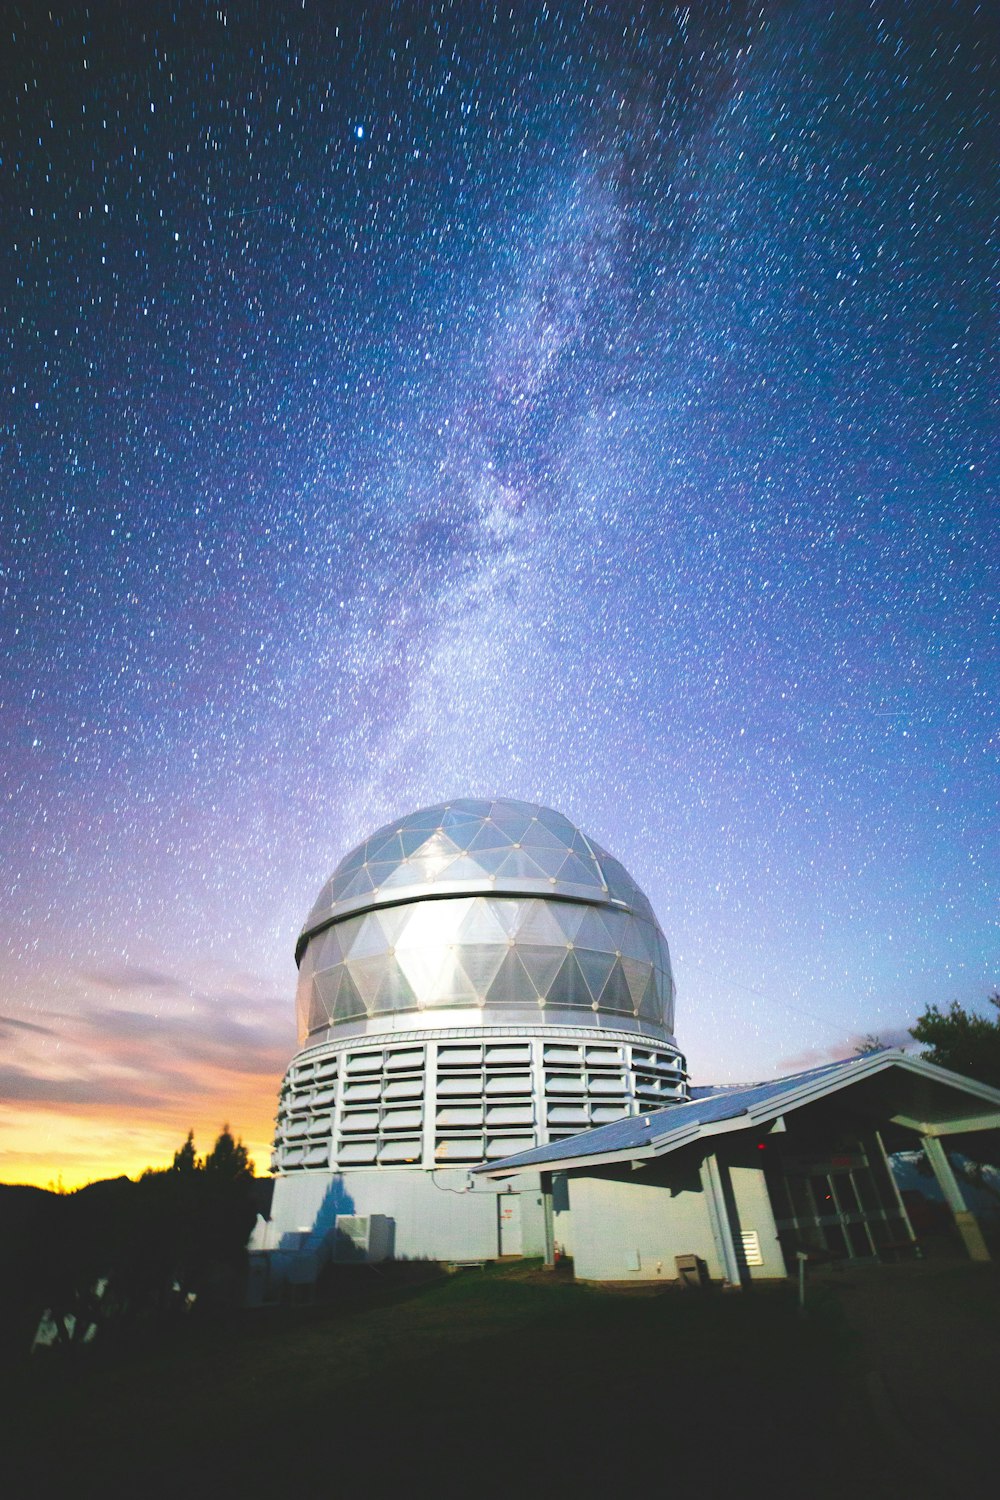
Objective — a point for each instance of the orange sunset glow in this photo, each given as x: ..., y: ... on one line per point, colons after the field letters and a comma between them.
x: 109, y: 1076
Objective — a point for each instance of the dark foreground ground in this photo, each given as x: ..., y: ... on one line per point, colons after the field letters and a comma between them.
x: 514, y: 1381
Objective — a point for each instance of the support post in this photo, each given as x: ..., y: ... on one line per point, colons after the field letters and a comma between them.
x: 548, y: 1220
x: 722, y: 1229
x: 968, y: 1225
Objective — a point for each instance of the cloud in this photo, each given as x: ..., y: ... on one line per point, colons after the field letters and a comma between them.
x: 131, y: 977
x: 144, y: 1041
x: 24, y: 1087
x: 9, y: 1023
x: 204, y: 1033
x: 815, y: 1057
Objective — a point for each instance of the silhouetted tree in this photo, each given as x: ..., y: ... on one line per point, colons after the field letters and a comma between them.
x: 228, y: 1159
x: 186, y: 1159
x: 869, y: 1045
x: 962, y: 1041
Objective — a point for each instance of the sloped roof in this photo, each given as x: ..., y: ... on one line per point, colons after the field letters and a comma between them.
x: 748, y: 1107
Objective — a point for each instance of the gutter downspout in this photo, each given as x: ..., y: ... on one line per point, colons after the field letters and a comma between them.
x: 548, y: 1220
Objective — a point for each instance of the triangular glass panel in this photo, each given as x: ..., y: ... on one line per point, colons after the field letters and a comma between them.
x: 460, y: 825
x: 519, y: 866
x: 541, y: 965
x: 637, y: 975
x: 528, y: 809
x: 508, y: 912
x: 352, y: 861
x: 433, y: 857
x: 475, y: 807
x: 595, y: 967
x: 456, y: 988
x: 392, y: 920
x: 434, y: 924
x: 616, y: 923
x: 582, y: 848
x: 510, y: 821
x: 394, y: 992
x: 349, y: 1002
x: 337, y: 887
x: 574, y: 871
x: 326, y: 987
x: 557, y: 822
x: 420, y: 871
x: 358, y: 885
x: 549, y: 861
x: 427, y: 819
x: 538, y: 922
x: 512, y: 985
x: 489, y: 837
x: 367, y: 974
x: 326, y: 947
x: 410, y: 840
x: 381, y: 870
x: 537, y: 836
x: 616, y: 994
x: 638, y: 940
x: 569, y: 916
x: 481, y: 924
x: 424, y: 970
x: 400, y: 877
x: 651, y: 1005
x: 481, y: 962
x: 367, y: 940
x: 466, y: 867
x: 387, y: 847
x: 620, y: 883
x: 569, y: 988
x: 490, y: 860
x: 593, y: 932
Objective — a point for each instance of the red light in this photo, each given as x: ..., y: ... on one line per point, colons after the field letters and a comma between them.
x: 761, y: 1145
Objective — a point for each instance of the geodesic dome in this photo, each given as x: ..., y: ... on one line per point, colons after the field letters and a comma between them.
x: 498, y: 907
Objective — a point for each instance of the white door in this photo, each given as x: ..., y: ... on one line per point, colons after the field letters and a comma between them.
x: 509, y: 1212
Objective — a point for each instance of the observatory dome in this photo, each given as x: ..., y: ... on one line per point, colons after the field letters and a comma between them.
x: 495, y: 907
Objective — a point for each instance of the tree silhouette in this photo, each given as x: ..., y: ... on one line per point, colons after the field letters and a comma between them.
x: 228, y: 1159
x: 186, y: 1159
x: 962, y: 1041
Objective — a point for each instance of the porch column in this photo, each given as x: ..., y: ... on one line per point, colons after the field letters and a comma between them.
x: 718, y: 1212
x: 968, y: 1226
x: 548, y: 1219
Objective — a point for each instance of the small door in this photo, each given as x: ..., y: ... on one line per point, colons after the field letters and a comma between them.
x: 509, y: 1222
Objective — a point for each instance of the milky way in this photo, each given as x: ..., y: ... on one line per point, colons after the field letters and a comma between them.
x: 590, y: 404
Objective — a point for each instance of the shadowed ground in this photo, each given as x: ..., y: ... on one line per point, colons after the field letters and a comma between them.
x: 511, y: 1380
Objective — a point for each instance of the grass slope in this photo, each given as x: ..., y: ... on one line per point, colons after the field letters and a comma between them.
x: 492, y: 1382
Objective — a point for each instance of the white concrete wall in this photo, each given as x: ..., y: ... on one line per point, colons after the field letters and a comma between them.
x: 436, y: 1216
x: 628, y: 1226
x: 753, y: 1211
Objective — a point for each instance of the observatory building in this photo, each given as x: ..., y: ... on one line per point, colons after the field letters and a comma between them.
x: 487, y: 1067
x: 475, y: 980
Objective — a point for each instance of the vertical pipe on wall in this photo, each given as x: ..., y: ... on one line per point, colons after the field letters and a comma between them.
x: 548, y: 1220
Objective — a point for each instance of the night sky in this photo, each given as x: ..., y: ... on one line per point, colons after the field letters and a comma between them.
x: 592, y: 404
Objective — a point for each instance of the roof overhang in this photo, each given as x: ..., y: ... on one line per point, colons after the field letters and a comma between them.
x: 916, y: 1095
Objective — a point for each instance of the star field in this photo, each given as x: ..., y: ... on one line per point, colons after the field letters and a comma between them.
x: 593, y: 404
